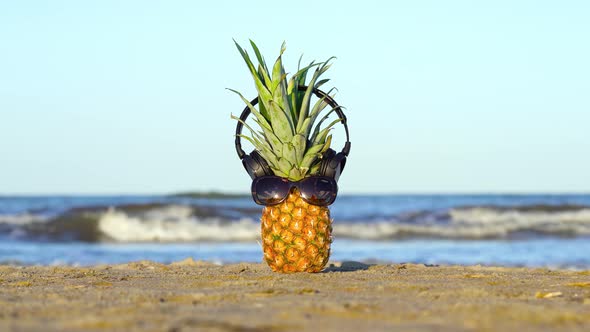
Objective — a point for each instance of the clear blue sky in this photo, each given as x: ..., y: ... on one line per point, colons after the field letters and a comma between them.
x: 442, y: 96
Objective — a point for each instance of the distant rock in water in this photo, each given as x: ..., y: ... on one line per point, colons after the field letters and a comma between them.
x: 211, y: 194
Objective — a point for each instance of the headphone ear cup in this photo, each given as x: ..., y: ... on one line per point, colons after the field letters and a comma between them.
x: 332, y: 164
x: 265, y: 168
x: 337, y: 164
x: 256, y: 166
x: 325, y: 165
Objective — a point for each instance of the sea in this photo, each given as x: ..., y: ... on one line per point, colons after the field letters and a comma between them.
x: 541, y: 230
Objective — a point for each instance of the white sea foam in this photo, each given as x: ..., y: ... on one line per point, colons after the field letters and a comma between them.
x: 504, y: 221
x: 174, y: 223
x: 177, y: 223
x: 475, y: 223
x: 21, y: 219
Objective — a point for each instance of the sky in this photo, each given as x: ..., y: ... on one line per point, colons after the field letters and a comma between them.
x: 120, y: 97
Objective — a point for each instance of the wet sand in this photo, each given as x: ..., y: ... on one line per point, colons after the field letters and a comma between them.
x: 189, y: 296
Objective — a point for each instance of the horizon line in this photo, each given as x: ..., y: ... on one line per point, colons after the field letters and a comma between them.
x: 205, y: 193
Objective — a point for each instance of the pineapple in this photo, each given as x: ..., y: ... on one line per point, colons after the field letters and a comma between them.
x: 296, y: 236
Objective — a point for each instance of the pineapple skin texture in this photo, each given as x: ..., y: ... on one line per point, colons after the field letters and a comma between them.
x: 296, y: 236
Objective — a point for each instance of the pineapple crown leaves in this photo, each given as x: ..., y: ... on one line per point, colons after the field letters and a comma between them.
x: 286, y: 117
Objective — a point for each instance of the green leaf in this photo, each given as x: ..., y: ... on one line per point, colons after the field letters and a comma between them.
x: 311, y: 155
x: 304, y: 106
x: 316, y: 110
x: 246, y: 59
x: 263, y: 91
x: 289, y: 153
x: 321, y: 82
x: 284, y: 99
x: 285, y: 165
x: 281, y: 98
x: 296, y: 174
x: 318, y: 126
x: 262, y: 119
x: 248, y: 139
x: 267, y: 152
x: 277, y: 76
x: 320, y: 104
x: 279, y: 172
x: 270, y: 157
x: 258, y: 55
x: 270, y: 136
x: 264, y: 111
x: 327, y: 144
x: 299, y: 142
x: 321, y: 135
x: 315, y: 168
x: 290, y: 87
x: 262, y: 73
x: 303, y: 113
x: 305, y: 127
x: 281, y: 123
x: 297, y: 80
x: 245, y: 125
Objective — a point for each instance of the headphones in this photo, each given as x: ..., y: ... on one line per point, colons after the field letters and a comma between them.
x: 332, y: 163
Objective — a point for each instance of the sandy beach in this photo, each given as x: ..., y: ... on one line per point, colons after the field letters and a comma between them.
x: 348, y: 296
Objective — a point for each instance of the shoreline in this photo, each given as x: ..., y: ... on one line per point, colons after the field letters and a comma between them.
x: 349, y: 296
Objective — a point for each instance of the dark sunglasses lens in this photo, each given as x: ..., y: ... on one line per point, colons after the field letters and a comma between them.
x: 270, y: 190
x: 318, y: 190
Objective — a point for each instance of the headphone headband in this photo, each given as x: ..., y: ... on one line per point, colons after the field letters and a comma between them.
x: 320, y: 94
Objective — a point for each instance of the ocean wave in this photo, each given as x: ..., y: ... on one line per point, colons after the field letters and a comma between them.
x: 172, y: 225
x: 501, y: 222
x: 176, y: 223
x: 21, y: 219
x: 186, y: 223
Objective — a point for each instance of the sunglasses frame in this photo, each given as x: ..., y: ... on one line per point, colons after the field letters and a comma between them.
x: 294, y: 184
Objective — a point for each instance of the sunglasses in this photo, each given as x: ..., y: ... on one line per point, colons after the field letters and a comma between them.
x: 315, y: 190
